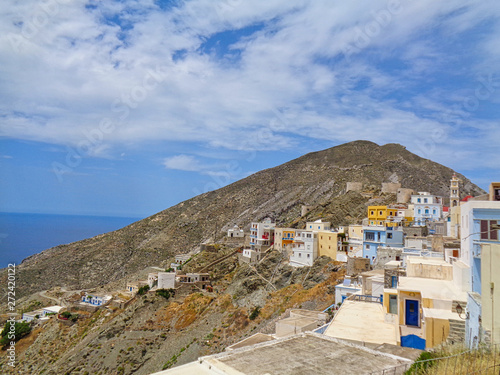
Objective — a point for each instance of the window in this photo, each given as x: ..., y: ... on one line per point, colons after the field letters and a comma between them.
x: 309, y: 235
x: 419, y: 211
x: 300, y: 255
x: 372, y: 213
x: 426, y: 210
x: 419, y: 200
x: 367, y: 247
x: 393, y: 304
x: 389, y: 235
x: 394, y: 281
x: 370, y: 236
x: 425, y: 200
x: 487, y: 231
x: 380, y: 213
x: 433, y: 212
x: 308, y: 255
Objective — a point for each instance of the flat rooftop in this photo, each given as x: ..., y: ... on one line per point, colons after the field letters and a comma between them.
x: 307, y: 353
x: 364, y: 322
x: 444, y: 290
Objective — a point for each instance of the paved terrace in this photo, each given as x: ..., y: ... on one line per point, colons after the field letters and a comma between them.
x: 364, y: 322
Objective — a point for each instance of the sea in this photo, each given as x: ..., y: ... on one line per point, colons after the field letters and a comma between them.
x: 22, y: 235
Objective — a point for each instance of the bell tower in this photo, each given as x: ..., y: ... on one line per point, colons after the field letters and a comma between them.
x: 454, y: 191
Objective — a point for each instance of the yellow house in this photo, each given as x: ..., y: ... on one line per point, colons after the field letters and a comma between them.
x: 328, y: 244
x: 390, y: 216
x: 426, y: 303
x: 355, y: 231
x: 283, y: 237
x: 377, y: 215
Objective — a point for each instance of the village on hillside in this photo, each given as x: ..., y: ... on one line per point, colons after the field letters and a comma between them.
x: 420, y: 273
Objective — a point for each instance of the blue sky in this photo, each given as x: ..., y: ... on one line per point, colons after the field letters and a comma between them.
x: 128, y: 107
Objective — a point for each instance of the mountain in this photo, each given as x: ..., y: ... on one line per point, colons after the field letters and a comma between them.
x: 317, y: 179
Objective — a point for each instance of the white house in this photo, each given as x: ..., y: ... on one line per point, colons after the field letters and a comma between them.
x: 32, y: 315
x: 426, y: 207
x: 166, y: 280
x: 95, y: 299
x: 236, y: 231
x: 346, y: 288
x: 49, y: 310
x: 262, y: 235
x: 304, y: 248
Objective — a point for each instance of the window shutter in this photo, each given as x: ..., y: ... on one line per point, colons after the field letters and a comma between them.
x: 484, y: 229
x: 493, y: 232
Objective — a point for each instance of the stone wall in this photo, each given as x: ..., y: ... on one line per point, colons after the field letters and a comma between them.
x: 354, y: 186
x: 355, y: 266
x: 415, y: 231
x: 390, y: 187
x: 404, y: 195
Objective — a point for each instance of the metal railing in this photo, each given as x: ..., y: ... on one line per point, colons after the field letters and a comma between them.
x: 364, y: 298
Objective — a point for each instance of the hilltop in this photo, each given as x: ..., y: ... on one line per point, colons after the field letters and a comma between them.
x: 317, y: 179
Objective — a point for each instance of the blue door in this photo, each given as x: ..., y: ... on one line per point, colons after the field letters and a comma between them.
x: 411, y: 312
x: 343, y: 298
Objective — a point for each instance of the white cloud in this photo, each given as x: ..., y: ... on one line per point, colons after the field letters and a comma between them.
x: 289, y: 79
x: 182, y: 163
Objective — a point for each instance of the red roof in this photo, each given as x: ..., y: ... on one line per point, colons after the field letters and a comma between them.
x: 446, y: 209
x: 466, y: 199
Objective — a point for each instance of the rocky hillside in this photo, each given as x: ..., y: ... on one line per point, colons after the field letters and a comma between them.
x: 317, y: 179
x: 153, y: 333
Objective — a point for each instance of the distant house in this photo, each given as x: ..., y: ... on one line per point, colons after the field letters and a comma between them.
x: 283, y: 238
x: 133, y: 287
x: 95, y: 299
x: 318, y: 225
x: 262, y: 235
x: 202, y: 280
x: 249, y: 256
x: 49, y: 310
x: 32, y: 315
x: 376, y: 236
x: 304, y: 248
x: 41, y: 313
x: 328, y: 244
x: 166, y: 280
x: 235, y: 231
x: 427, y: 208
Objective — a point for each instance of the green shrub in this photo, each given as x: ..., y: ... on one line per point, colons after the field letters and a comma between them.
x: 417, y: 368
x: 21, y: 329
x: 143, y: 290
x: 255, y: 313
x: 165, y: 293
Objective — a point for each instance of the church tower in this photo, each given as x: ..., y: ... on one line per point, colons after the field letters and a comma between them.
x: 454, y: 191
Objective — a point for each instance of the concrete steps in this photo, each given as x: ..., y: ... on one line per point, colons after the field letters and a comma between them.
x: 457, y: 332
